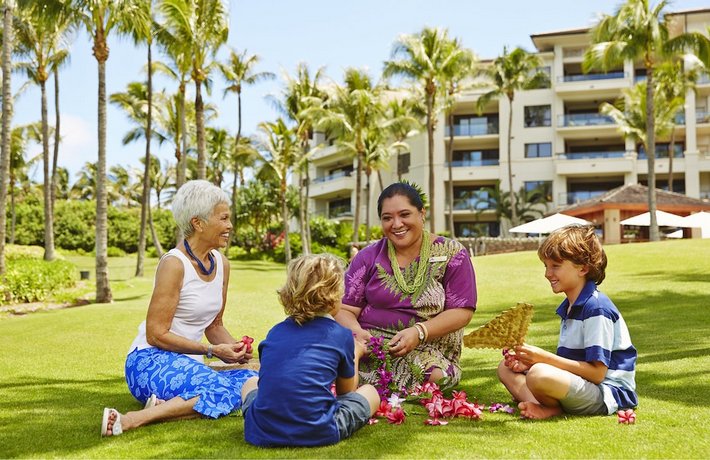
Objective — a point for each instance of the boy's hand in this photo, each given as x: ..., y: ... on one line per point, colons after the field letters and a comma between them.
x: 511, y: 362
x: 529, y: 355
x: 360, y: 350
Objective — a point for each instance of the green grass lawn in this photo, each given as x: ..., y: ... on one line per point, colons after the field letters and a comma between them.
x: 59, y: 369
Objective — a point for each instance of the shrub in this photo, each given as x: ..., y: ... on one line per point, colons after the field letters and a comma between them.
x: 113, y: 251
x: 33, y: 280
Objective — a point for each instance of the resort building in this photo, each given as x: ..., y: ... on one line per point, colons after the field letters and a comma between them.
x: 560, y: 143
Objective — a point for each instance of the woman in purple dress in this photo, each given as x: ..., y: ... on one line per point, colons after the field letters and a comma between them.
x: 414, y: 289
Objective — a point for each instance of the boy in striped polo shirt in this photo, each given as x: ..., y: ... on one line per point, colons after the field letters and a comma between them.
x: 594, y: 368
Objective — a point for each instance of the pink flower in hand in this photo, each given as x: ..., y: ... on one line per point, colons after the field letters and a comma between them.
x: 332, y: 389
x: 396, y: 417
x: 247, y: 341
x: 627, y: 417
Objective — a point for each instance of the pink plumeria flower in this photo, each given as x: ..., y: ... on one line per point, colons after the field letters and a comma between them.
x: 435, y: 422
x: 372, y: 421
x: 627, y: 417
x: 396, y: 417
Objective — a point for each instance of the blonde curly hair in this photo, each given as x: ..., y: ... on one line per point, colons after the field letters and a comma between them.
x: 580, y: 245
x: 314, y: 286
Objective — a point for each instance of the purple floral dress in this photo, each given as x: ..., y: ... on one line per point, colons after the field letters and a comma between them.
x: 451, y: 283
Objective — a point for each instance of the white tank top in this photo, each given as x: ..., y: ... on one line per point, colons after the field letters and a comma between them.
x: 199, y: 303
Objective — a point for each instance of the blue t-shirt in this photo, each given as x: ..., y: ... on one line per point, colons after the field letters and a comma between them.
x: 294, y: 405
x: 594, y: 330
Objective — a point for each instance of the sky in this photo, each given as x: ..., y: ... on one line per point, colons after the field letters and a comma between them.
x: 334, y: 34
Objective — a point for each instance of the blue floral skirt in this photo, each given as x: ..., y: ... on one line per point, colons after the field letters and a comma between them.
x: 167, y: 374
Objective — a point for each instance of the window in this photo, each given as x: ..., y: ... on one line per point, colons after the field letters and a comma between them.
x: 662, y: 150
x: 338, y: 208
x: 538, y: 115
x: 475, y: 157
x: 472, y: 198
x: 403, y: 164
x: 543, y: 186
x: 476, y: 229
x: 540, y: 150
x: 544, y: 78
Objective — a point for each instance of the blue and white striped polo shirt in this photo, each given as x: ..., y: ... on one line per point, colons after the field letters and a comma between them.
x: 595, y: 331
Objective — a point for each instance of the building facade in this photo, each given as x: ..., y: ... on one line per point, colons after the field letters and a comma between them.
x: 560, y: 144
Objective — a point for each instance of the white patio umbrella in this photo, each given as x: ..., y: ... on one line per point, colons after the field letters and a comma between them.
x: 699, y: 219
x: 664, y: 219
x: 548, y: 224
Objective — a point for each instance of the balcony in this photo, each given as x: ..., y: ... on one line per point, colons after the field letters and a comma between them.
x: 474, y: 163
x: 591, y: 77
x: 340, y: 212
x: 594, y: 155
x: 482, y: 126
x: 584, y: 119
x: 332, y: 185
x: 331, y: 177
x: 702, y: 116
x: 577, y: 197
x: 473, y: 204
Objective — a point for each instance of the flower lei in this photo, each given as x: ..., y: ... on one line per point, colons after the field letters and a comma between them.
x: 381, y: 359
x: 424, y: 254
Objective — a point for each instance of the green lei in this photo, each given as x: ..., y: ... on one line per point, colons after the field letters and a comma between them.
x: 424, y: 253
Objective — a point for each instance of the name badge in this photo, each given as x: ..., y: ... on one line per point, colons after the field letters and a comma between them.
x: 437, y: 259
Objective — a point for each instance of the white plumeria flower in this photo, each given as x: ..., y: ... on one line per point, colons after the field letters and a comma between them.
x: 395, y: 401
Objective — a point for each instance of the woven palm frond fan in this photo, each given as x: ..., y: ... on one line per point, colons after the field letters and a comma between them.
x: 504, y: 331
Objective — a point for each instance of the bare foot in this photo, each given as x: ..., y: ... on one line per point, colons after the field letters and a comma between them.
x: 537, y: 411
x: 112, y: 423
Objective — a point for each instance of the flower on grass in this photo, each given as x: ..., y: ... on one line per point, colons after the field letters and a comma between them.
x: 384, y: 409
x: 435, y: 422
x: 499, y: 407
x: 372, y: 421
x: 396, y: 417
x: 395, y: 401
x: 627, y: 417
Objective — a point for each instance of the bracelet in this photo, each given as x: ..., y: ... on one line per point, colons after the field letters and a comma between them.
x: 209, y: 350
x: 424, y: 328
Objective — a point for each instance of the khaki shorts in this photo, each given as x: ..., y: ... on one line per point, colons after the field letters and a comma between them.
x: 584, y: 398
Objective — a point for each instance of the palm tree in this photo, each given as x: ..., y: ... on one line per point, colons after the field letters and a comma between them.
x: 353, y: 110
x: 100, y: 18
x: 457, y: 77
x: 6, y: 134
x: 639, y: 31
x: 281, y: 145
x: 238, y: 72
x: 18, y: 171
x: 673, y: 83
x: 201, y: 28
x: 38, y: 40
x: 300, y: 93
x: 426, y: 59
x: 403, y: 117
x: 508, y: 74
x: 629, y: 114
x: 219, y: 146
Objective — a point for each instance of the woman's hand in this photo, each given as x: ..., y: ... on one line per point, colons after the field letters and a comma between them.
x: 362, y: 337
x: 231, y: 352
x: 404, y: 341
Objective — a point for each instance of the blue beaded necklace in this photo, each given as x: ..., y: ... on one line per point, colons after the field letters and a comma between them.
x: 199, y: 262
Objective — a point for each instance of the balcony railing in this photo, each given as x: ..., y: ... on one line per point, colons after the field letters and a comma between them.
x: 591, y: 76
x: 584, y: 119
x: 702, y: 116
x: 594, y: 155
x: 470, y: 163
x: 340, y: 211
x: 576, y: 197
x: 333, y: 176
x: 474, y: 130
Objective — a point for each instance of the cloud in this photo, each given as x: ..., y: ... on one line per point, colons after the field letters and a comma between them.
x: 79, y: 143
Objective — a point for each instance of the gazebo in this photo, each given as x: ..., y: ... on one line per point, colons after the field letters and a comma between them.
x: 609, y: 209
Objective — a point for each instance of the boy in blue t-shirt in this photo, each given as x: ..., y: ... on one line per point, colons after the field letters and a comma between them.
x: 594, y: 369
x: 300, y: 359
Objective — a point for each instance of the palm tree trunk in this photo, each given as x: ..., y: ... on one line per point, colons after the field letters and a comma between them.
x: 307, y: 214
x: 236, y: 170
x: 450, y: 186
x: 302, y: 213
x: 200, y: 125
x: 284, y: 217
x: 103, y: 288
x: 145, y: 200
x: 154, y: 234
x: 653, y: 233
x: 57, y: 139
x: 513, y: 204
x: 13, y: 216
x: 367, y: 205
x: 181, y: 141
x: 430, y: 142
x: 358, y: 195
x: 7, y: 46
x: 47, y: 193
x: 671, y: 154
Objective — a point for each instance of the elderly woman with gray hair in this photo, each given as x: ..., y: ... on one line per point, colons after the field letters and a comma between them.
x: 164, y: 366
